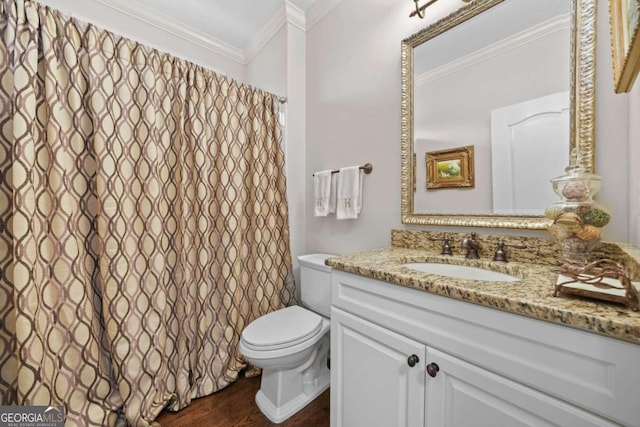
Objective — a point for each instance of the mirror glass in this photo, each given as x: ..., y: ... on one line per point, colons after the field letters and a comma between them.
x: 494, y: 79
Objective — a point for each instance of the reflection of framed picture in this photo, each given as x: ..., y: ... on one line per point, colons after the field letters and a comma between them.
x: 450, y: 168
x: 625, y: 42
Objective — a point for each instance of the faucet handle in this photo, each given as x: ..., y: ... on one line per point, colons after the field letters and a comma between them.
x: 446, y: 246
x: 501, y: 255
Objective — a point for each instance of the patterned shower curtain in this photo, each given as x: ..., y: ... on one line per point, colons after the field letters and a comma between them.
x: 143, y: 221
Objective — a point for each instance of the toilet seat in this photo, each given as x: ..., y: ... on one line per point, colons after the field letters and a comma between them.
x: 282, y: 328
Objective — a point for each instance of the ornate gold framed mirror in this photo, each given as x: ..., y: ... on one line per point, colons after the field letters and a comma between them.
x: 507, y: 192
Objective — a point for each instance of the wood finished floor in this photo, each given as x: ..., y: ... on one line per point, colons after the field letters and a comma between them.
x: 235, y: 407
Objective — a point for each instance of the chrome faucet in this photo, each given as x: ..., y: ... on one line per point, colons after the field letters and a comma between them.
x: 471, y: 245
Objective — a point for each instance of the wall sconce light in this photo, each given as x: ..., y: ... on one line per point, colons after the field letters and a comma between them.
x: 420, y: 9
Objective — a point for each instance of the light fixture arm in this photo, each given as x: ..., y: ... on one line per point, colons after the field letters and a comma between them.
x: 420, y: 9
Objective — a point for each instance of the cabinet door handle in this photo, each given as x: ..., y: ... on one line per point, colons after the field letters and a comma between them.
x: 432, y: 369
x: 413, y: 360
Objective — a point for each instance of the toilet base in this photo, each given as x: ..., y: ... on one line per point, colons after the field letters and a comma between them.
x: 280, y: 414
x: 284, y: 392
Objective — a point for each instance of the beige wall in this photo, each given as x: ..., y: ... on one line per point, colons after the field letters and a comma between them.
x: 296, y: 132
x: 353, y: 116
x: 634, y: 165
x: 612, y: 135
x: 268, y: 68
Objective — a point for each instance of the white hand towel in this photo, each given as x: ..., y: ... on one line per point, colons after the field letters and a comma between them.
x: 349, y: 198
x: 333, y: 193
x: 321, y: 192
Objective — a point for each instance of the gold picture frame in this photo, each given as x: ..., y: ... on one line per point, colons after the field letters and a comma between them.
x: 451, y: 168
x: 625, y: 42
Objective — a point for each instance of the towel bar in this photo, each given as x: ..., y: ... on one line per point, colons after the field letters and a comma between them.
x: 367, y: 168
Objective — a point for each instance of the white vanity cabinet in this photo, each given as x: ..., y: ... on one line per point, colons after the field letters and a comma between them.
x: 472, y: 365
x: 372, y: 362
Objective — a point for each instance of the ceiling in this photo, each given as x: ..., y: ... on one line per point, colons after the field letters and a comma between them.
x: 502, y: 21
x: 235, y: 26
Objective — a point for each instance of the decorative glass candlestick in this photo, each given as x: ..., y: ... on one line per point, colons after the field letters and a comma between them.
x: 577, y: 218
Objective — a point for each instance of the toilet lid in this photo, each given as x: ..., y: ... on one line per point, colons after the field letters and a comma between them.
x: 282, y: 328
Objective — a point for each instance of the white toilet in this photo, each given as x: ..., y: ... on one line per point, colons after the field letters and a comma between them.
x: 291, y: 345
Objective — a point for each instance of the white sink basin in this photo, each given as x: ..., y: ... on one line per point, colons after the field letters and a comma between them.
x: 461, y: 272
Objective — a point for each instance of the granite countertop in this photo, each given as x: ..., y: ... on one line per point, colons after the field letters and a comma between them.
x: 532, y: 297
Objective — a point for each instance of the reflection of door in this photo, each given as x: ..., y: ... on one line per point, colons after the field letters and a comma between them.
x: 529, y: 145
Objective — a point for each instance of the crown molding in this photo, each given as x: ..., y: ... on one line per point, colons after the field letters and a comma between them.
x: 288, y: 14
x: 319, y: 10
x: 522, y: 38
x: 176, y: 28
x: 295, y: 16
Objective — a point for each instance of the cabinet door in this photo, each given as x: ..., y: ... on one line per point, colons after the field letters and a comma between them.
x: 462, y: 395
x: 372, y: 382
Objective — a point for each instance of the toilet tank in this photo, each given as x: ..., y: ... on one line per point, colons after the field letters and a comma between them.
x: 315, y: 283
